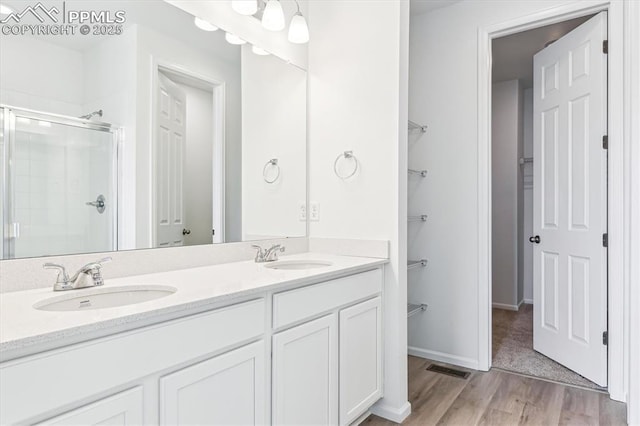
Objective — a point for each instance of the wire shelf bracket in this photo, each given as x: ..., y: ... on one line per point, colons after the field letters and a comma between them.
x: 415, y: 126
x: 416, y: 263
x: 413, y: 309
x: 422, y: 173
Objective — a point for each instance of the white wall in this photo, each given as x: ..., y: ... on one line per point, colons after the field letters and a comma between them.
x: 274, y: 126
x: 357, y: 101
x: 45, y: 79
x: 527, y: 179
x: 505, y: 137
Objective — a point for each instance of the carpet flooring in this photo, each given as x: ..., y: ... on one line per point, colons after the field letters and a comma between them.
x: 513, y: 349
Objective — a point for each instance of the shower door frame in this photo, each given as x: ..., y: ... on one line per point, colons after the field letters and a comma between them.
x: 7, y: 190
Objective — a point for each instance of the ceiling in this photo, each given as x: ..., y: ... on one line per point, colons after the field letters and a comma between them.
x: 420, y: 7
x: 513, y: 55
x: 157, y: 15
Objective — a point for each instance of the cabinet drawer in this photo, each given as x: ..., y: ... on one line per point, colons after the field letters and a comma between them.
x: 306, y: 302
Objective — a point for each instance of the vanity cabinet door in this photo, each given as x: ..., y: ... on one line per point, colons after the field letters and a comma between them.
x: 360, y: 358
x: 228, y: 389
x: 124, y: 408
x: 305, y: 372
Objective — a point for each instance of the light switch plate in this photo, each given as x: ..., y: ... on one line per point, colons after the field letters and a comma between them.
x: 302, y: 212
x: 314, y: 212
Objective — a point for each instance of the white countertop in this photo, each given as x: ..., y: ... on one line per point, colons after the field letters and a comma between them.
x: 25, y: 330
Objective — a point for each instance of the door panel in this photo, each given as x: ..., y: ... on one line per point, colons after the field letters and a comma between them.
x: 570, y: 288
x: 225, y: 390
x: 125, y: 409
x: 304, y: 374
x: 169, y: 168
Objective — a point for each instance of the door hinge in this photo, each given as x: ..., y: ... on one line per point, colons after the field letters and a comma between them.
x: 605, y: 240
x: 605, y: 46
x: 605, y: 142
x: 605, y: 338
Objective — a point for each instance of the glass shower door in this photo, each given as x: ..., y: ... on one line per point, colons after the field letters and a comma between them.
x: 61, y: 187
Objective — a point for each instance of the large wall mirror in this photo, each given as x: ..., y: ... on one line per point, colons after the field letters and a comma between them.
x: 142, y: 131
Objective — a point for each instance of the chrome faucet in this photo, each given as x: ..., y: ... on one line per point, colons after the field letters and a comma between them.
x: 89, y: 275
x: 267, y: 255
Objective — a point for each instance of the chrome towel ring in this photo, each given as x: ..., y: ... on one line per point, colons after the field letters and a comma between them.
x: 348, y: 155
x: 273, y: 163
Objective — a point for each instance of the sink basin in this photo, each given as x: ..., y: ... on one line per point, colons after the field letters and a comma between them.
x: 298, y: 264
x: 104, y: 297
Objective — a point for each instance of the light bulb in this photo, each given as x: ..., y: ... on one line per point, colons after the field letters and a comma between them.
x: 273, y: 16
x: 233, y: 39
x: 259, y: 51
x: 245, y: 7
x: 5, y: 10
x: 204, y: 25
x: 298, y: 29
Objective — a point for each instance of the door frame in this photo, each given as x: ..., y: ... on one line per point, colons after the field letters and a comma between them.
x: 218, y: 89
x: 615, y: 165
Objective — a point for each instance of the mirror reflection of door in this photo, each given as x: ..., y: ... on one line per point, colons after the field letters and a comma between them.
x: 184, y: 161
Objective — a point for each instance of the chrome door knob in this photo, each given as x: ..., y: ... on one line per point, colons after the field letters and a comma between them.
x: 535, y: 239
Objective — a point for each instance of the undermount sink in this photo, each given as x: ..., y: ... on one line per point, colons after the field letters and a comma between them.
x: 298, y: 264
x: 104, y: 297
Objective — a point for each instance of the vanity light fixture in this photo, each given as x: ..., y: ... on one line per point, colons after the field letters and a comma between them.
x: 298, y: 29
x: 233, y: 39
x: 245, y: 7
x: 204, y: 25
x: 259, y: 51
x: 273, y: 16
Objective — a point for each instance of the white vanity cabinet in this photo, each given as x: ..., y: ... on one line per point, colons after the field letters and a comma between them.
x: 225, y: 390
x: 327, y: 370
x: 305, y: 374
x: 125, y: 408
x: 360, y: 358
x: 301, y: 356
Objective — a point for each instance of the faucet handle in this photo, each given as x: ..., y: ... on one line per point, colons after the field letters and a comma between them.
x: 63, y: 277
x: 95, y: 265
x: 260, y: 252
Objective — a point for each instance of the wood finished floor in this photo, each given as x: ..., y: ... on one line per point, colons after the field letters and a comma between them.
x: 500, y: 398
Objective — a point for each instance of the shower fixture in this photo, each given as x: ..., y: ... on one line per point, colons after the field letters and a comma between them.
x: 91, y: 115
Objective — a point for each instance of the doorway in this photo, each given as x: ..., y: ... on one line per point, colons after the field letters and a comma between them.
x: 566, y: 288
x: 188, y: 159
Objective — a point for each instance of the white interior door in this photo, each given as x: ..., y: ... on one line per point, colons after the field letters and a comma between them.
x: 170, y: 151
x: 570, y: 200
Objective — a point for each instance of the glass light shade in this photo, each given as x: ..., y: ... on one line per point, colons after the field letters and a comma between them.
x: 273, y: 16
x: 259, y: 51
x: 245, y: 7
x: 298, y: 29
x: 233, y: 39
x: 5, y: 10
x: 204, y: 25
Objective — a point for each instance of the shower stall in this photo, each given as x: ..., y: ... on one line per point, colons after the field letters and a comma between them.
x: 59, y: 184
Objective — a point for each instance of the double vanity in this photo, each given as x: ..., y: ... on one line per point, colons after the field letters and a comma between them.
x: 295, y: 341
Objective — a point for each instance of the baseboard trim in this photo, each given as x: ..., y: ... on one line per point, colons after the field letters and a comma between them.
x: 528, y: 301
x: 506, y: 306
x: 444, y: 357
x: 395, y: 414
